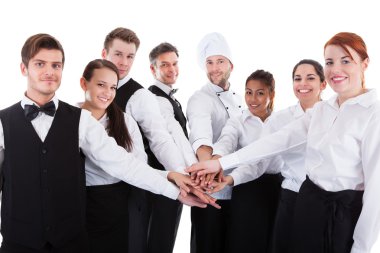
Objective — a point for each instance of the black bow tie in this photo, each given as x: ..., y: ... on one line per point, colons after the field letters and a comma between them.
x: 31, y: 111
x: 172, y: 92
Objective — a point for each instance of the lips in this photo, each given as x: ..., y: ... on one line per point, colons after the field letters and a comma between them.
x: 303, y: 91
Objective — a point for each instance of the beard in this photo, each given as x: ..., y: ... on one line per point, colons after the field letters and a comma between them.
x: 221, y: 81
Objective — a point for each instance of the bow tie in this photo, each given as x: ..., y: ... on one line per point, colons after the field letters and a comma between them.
x: 172, y: 92
x: 31, y: 111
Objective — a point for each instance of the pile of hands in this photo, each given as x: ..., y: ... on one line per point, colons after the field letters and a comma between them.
x: 203, y: 179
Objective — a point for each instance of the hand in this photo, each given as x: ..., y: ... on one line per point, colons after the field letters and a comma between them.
x: 218, y: 186
x: 191, y: 200
x: 204, y: 197
x: 182, y: 181
x: 202, y: 168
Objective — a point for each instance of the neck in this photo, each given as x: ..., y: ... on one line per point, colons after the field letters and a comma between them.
x: 96, y: 113
x: 308, y: 104
x: 344, y: 97
x: 39, y: 99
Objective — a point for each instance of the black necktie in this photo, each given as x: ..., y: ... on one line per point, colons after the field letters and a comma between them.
x: 31, y: 111
x: 172, y: 92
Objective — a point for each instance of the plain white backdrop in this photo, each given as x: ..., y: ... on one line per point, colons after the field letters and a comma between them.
x: 270, y: 35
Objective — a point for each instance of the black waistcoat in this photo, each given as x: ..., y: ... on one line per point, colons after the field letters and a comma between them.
x: 178, y: 114
x: 44, y: 182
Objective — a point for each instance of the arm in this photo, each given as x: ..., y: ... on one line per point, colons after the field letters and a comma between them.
x: 229, y: 138
x: 200, y: 124
x: 367, y: 228
x: 293, y: 136
x: 145, y: 110
x: 134, y: 132
x: 176, y: 131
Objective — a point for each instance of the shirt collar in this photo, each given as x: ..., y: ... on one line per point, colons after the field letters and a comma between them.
x: 216, y: 88
x: 248, y: 115
x: 366, y: 99
x: 298, y: 111
x: 123, y: 81
x: 165, y: 88
x: 27, y: 101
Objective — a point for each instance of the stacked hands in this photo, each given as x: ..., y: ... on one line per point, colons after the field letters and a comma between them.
x: 204, y: 178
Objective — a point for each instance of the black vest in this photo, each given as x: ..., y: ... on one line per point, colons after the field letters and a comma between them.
x: 44, y: 182
x: 123, y: 94
x: 178, y: 114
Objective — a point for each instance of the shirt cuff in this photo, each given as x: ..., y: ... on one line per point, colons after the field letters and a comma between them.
x: 201, y: 142
x: 171, y: 191
x: 354, y: 249
x: 229, y: 161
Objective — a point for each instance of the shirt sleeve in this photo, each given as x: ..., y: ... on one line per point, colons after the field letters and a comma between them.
x: 229, y: 138
x: 103, y: 151
x: 146, y: 111
x: 176, y: 131
x: 368, y: 225
x: 292, y: 136
x: 134, y: 132
x: 1, y: 145
x: 200, y: 121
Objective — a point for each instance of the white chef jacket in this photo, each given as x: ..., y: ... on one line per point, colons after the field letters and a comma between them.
x: 174, y: 127
x: 342, y: 152
x: 144, y: 109
x: 103, y: 151
x: 207, y: 112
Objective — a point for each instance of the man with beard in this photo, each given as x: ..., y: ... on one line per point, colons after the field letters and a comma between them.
x: 208, y: 110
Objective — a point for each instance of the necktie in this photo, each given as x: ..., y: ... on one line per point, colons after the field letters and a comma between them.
x: 31, y: 111
x: 172, y: 92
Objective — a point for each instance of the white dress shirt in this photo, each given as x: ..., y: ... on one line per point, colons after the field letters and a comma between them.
x: 96, y: 175
x: 342, y: 152
x: 207, y: 112
x: 174, y: 127
x: 103, y: 151
x: 237, y: 133
x: 294, y: 168
x: 144, y: 109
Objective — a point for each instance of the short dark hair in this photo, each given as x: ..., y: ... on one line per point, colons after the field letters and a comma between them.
x: 162, y: 48
x: 37, y: 42
x: 123, y: 34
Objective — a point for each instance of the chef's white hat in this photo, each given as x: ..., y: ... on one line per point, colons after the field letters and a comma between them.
x: 212, y: 44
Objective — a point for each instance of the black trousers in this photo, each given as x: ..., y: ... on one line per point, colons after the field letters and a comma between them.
x: 107, y: 217
x: 77, y: 245
x: 163, y: 225
x: 283, y: 223
x: 139, y: 213
x: 324, y: 221
x: 253, y: 209
x: 210, y: 228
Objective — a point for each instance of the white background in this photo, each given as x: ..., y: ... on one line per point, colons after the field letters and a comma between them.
x: 270, y: 35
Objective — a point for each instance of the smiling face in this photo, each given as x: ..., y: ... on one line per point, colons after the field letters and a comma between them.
x: 344, y: 73
x: 165, y: 68
x: 100, y: 90
x: 307, y: 85
x: 44, y: 74
x: 122, y: 54
x: 257, y: 98
x: 219, y: 69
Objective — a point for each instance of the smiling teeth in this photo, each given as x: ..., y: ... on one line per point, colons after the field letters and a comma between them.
x: 304, y: 91
x: 104, y: 99
x: 338, y: 78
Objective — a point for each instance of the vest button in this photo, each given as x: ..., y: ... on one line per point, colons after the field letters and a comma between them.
x: 47, y: 228
x: 44, y: 151
x: 226, y: 108
x: 44, y: 170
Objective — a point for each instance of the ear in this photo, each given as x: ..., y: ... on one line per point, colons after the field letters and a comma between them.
x: 104, y: 53
x: 152, y: 69
x: 365, y: 64
x: 323, y: 85
x: 232, y: 66
x: 83, y: 83
x: 24, y: 69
